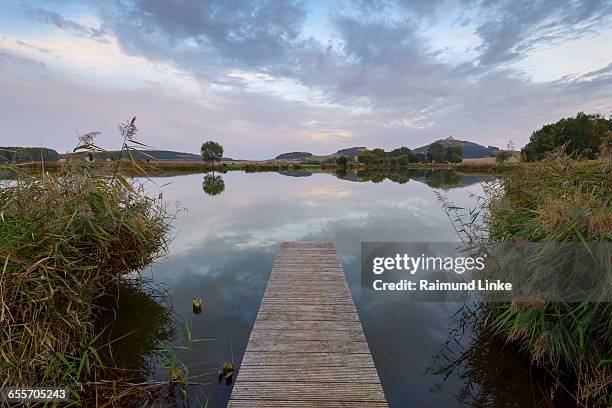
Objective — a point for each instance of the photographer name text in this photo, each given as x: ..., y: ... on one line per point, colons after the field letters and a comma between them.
x: 426, y: 285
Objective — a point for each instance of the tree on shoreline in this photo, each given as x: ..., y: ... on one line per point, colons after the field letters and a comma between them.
x: 454, y: 154
x: 436, y: 153
x: 367, y: 157
x: 211, y: 152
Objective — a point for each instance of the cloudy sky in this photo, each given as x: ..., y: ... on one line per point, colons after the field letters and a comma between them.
x: 265, y: 77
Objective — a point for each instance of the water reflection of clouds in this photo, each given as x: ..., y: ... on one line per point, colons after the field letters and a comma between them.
x: 324, y: 191
x: 231, y: 282
x: 263, y: 207
x: 226, y: 245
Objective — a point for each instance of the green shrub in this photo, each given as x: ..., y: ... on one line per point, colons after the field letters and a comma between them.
x: 581, y: 134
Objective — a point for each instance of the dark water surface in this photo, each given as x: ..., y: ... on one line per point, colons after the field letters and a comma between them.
x: 224, y: 248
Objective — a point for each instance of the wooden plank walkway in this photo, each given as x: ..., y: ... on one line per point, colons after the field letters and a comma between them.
x: 307, y: 348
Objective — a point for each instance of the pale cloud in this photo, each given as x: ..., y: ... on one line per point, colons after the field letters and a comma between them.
x: 80, y: 59
x: 331, y: 135
x: 284, y: 87
x: 572, y: 57
x: 325, y: 191
x: 56, y: 19
x: 265, y: 77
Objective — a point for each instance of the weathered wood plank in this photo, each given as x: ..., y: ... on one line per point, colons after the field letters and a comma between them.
x: 308, y: 300
x: 267, y: 315
x: 312, y: 290
x: 315, y: 374
x: 310, y: 276
x: 315, y: 277
x: 280, y: 293
x: 307, y: 347
x: 300, y: 404
x: 289, y: 307
x: 329, y: 299
x: 294, y: 287
x: 260, y: 390
x: 351, y: 335
x: 333, y: 325
x: 329, y: 296
x: 307, y: 359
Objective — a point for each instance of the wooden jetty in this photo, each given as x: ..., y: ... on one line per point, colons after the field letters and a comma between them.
x: 307, y: 348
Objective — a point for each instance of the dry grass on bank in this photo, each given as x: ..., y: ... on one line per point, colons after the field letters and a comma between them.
x: 488, y: 160
x: 65, y: 238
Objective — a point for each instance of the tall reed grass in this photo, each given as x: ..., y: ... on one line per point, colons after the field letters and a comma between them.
x: 64, y: 239
x: 560, y: 200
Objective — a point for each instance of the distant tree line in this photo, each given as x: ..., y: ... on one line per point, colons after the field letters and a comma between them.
x: 583, y: 135
x: 12, y: 154
x: 436, y: 152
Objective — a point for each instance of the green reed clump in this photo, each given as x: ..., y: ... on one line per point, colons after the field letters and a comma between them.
x: 563, y: 200
x: 64, y: 238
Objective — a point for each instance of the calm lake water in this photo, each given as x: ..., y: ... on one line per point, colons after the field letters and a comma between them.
x: 223, y: 252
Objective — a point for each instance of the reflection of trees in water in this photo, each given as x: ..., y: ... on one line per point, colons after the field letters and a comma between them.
x: 137, y: 326
x: 296, y: 173
x: 374, y: 176
x: 141, y: 324
x: 145, y: 358
x: 493, y: 374
x: 436, y: 178
x: 213, y: 184
x: 341, y: 172
x: 439, y: 178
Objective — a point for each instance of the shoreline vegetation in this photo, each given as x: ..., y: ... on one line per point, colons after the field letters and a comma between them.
x: 67, y: 239
x: 565, y: 201
x: 154, y: 168
x: 562, y: 200
x: 69, y: 242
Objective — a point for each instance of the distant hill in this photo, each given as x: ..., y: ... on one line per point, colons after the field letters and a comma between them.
x: 471, y: 150
x: 147, y: 154
x: 305, y: 156
x: 293, y: 156
x: 20, y: 154
x: 351, y: 151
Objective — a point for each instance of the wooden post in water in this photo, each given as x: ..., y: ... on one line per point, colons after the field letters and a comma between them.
x: 307, y: 348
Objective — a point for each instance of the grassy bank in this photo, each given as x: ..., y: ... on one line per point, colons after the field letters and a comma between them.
x: 127, y: 167
x: 65, y: 239
x: 561, y: 200
x: 156, y: 168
